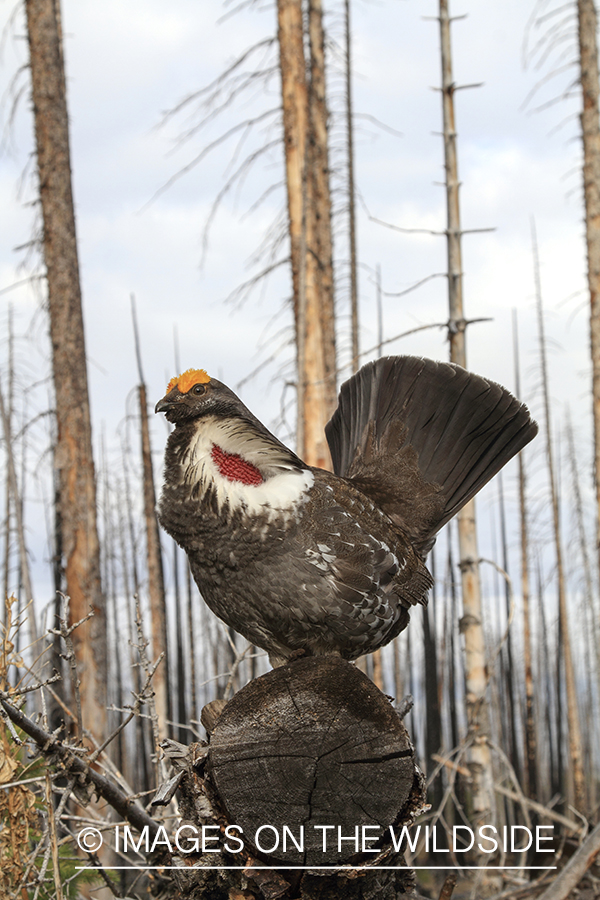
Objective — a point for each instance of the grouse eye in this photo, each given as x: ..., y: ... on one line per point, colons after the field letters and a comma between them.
x: 199, y: 388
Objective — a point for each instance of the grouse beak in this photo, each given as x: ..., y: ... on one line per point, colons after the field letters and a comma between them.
x: 167, y: 402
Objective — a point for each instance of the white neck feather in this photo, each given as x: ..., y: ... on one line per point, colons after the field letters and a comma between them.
x: 283, y: 489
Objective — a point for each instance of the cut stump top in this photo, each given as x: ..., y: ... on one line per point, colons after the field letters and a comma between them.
x: 309, y: 744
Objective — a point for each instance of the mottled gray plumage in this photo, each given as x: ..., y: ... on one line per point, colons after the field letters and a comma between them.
x: 299, y: 559
x: 423, y: 437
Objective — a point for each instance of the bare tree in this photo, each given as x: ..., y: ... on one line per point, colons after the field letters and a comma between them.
x: 575, y: 772
x: 590, y: 132
x: 13, y: 492
x: 480, y: 762
x: 321, y: 195
x: 309, y: 216
x: 8, y: 437
x: 156, y: 584
x: 352, y: 195
x: 530, y: 733
x: 73, y: 455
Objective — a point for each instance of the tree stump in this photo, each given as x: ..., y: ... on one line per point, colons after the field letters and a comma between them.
x: 308, y: 766
x: 312, y: 745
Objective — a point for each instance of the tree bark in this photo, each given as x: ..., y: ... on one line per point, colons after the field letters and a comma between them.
x: 590, y: 132
x: 531, y: 766
x: 312, y: 743
x: 156, y: 582
x: 575, y: 775
x: 590, y: 625
x: 309, y: 744
x: 575, y: 869
x: 73, y: 455
x: 512, y: 697
x: 309, y: 214
x: 321, y: 198
x: 180, y: 651
x: 156, y: 585
x: 295, y: 124
x: 433, y: 732
x: 8, y: 437
x: 352, y: 197
x: 13, y: 490
x: 480, y: 763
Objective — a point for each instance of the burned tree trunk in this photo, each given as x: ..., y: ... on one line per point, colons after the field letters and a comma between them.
x: 13, y: 491
x: 156, y: 584
x: 308, y: 767
x: 294, y: 99
x: 576, y: 783
x: 8, y: 438
x: 73, y: 453
x: 322, y: 249
x: 354, y: 329
x: 531, y: 768
x: 295, y: 113
x: 480, y: 762
x: 309, y: 215
x: 590, y: 134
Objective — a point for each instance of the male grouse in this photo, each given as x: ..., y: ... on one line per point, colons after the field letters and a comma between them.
x: 298, y: 559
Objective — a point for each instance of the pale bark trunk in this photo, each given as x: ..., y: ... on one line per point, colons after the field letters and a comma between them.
x: 575, y: 776
x: 13, y: 490
x: 8, y: 434
x: 156, y: 587
x: 451, y: 608
x: 480, y: 763
x: 432, y: 664
x: 191, y: 637
x: 141, y: 725
x: 512, y: 679
x: 74, y: 441
x: 377, y: 677
x: 156, y: 583
x: 314, y: 410
x: 179, y: 708
x: 530, y: 731
x: 590, y: 131
x: 398, y: 687
x: 569, y: 877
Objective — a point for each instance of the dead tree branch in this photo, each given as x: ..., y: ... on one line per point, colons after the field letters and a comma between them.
x: 575, y: 869
x: 76, y: 766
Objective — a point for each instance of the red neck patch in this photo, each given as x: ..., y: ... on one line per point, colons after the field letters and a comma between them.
x: 235, y: 468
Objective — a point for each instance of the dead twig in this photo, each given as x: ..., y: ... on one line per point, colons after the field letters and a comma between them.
x: 575, y: 869
x: 540, y: 809
x: 448, y: 886
x: 65, y: 631
x: 78, y: 767
x: 149, y: 670
x: 53, y: 838
x: 140, y: 699
x: 462, y: 770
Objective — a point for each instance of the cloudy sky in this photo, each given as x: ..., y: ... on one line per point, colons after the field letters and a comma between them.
x: 128, y: 63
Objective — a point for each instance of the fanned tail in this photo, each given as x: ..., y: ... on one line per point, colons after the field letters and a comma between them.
x: 423, y: 437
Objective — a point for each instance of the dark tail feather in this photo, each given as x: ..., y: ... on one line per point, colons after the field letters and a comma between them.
x: 423, y: 437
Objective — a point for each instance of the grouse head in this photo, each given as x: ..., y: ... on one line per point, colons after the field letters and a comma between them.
x: 219, y: 446
x: 194, y: 394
